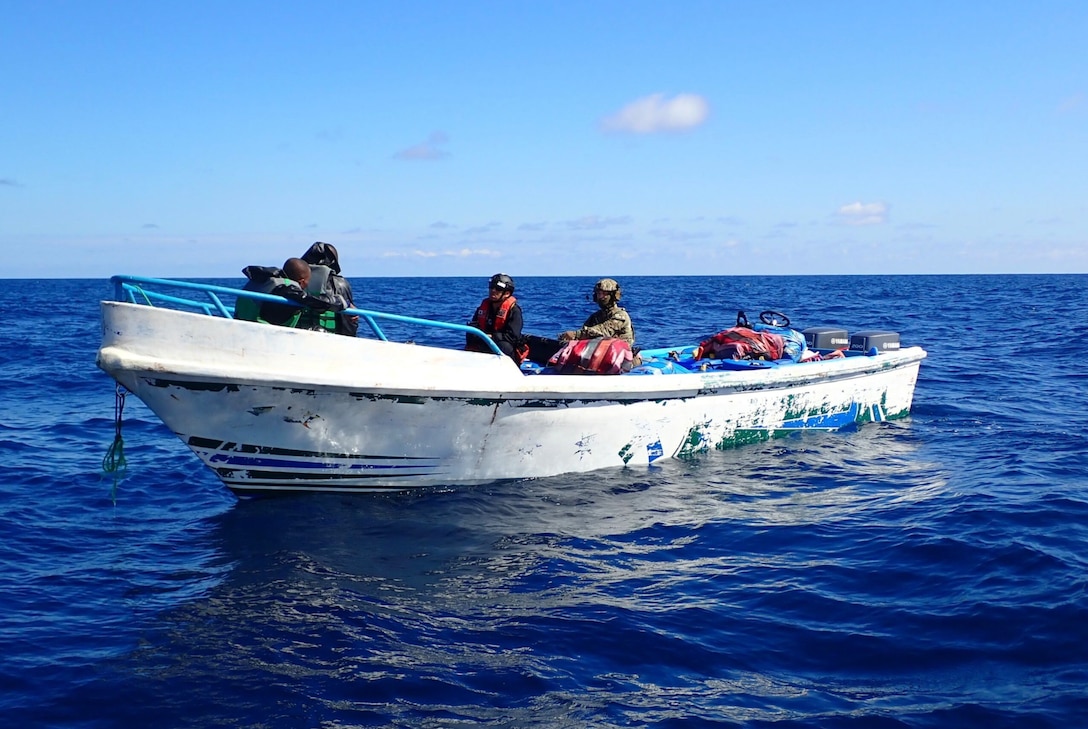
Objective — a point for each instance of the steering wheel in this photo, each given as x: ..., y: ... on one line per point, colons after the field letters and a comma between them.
x: 774, y: 318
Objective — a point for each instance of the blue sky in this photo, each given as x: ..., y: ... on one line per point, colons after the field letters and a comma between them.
x: 565, y: 138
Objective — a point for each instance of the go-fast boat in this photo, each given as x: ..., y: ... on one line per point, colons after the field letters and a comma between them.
x: 271, y: 408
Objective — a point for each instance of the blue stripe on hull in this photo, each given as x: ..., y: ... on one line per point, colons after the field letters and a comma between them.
x: 246, y: 467
x: 826, y: 421
x: 223, y: 460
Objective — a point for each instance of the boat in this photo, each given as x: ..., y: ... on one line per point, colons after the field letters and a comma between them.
x: 274, y: 409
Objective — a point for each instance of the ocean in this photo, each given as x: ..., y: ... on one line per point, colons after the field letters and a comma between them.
x: 924, y: 572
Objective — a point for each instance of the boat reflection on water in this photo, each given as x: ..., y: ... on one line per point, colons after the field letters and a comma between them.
x: 389, y: 544
x: 375, y: 602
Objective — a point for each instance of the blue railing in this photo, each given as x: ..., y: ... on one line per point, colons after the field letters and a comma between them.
x: 138, y: 290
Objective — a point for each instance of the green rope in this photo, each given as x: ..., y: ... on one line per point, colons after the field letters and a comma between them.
x: 114, y: 462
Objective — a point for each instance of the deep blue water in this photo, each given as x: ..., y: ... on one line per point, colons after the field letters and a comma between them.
x: 927, y: 572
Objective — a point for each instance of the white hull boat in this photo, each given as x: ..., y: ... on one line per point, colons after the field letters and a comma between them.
x: 277, y: 409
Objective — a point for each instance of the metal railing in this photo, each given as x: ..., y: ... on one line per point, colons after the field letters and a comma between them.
x: 143, y: 290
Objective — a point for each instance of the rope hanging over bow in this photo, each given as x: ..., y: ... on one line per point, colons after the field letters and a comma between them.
x: 114, y: 462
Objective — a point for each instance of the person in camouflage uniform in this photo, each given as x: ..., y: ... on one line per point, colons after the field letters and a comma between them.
x: 611, y: 320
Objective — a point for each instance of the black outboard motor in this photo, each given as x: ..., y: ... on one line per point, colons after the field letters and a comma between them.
x: 878, y: 340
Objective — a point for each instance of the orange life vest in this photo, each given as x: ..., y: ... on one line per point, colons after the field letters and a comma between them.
x: 521, y: 351
x: 500, y: 316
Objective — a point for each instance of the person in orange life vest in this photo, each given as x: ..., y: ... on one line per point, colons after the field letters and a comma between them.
x: 499, y: 315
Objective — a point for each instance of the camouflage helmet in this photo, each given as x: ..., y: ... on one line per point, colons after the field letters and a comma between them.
x: 610, y: 289
x: 609, y: 286
x: 502, y: 282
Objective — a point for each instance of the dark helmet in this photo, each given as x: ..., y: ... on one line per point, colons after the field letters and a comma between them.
x: 502, y: 282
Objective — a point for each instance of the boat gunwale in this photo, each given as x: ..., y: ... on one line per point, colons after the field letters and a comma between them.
x: 519, y: 387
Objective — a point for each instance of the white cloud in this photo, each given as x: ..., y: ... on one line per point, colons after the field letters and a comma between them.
x: 656, y: 113
x: 428, y: 150
x: 859, y: 213
x: 457, y: 253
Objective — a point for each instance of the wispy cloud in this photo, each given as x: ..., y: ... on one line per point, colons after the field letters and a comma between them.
x: 596, y: 222
x: 449, y: 253
x: 678, y: 236
x: 711, y: 251
x: 483, y: 229
x: 657, y: 113
x: 1074, y: 103
x: 335, y: 134
x: 431, y: 149
x: 8, y: 182
x: 150, y: 226
x: 859, y: 213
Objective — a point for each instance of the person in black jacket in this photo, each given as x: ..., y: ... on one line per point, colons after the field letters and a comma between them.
x: 324, y: 254
x: 499, y: 315
x: 290, y: 282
